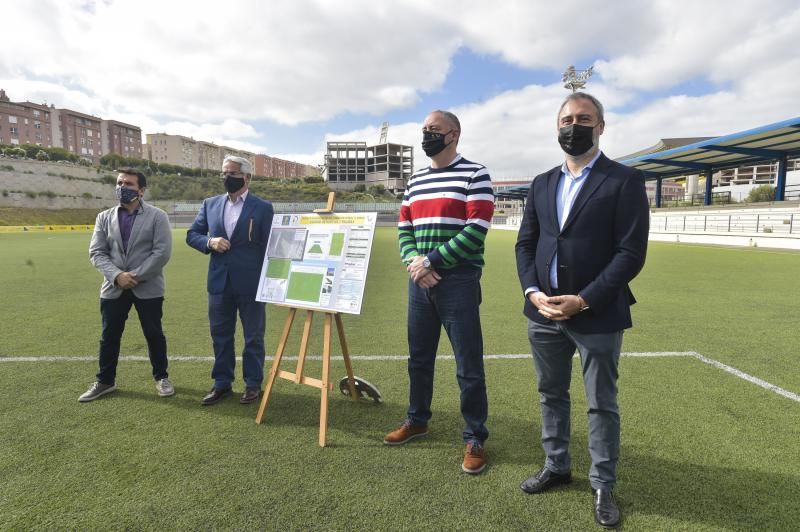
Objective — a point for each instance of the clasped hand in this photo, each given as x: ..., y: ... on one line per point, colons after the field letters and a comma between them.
x: 422, y: 276
x: 556, y: 308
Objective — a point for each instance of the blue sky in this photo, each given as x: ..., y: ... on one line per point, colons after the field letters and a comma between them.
x: 283, y: 77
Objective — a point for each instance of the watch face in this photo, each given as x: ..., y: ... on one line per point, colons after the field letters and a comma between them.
x: 426, y: 262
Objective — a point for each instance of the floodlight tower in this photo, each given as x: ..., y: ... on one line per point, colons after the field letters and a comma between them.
x: 384, y: 132
x: 576, y: 80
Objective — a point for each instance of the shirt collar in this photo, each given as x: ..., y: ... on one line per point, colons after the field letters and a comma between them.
x: 241, y: 198
x: 586, y: 169
x: 137, y: 210
x: 451, y: 163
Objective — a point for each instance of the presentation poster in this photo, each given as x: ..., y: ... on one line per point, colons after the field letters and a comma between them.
x: 318, y: 261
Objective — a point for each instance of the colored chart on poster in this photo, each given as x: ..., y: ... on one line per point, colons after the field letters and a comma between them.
x: 318, y: 261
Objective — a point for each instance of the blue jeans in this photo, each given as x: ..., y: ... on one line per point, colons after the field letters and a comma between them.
x: 222, y: 309
x: 115, y: 314
x: 454, y: 304
x: 553, y: 345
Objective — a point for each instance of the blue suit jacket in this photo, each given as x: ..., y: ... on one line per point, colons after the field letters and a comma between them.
x: 241, y: 264
x: 601, y: 248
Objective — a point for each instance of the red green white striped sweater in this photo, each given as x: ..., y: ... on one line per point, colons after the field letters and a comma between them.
x: 446, y: 213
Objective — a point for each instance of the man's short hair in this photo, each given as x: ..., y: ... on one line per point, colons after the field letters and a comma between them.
x: 453, y: 119
x: 246, y: 167
x: 583, y: 96
x: 140, y: 178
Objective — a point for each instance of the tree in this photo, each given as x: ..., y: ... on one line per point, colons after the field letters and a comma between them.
x: 761, y: 193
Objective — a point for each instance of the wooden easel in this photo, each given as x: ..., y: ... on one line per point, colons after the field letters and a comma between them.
x: 297, y: 377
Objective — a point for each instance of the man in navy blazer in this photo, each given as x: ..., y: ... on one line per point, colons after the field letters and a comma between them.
x: 583, y: 238
x: 234, y: 228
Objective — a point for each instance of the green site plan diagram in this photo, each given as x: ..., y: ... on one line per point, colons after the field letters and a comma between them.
x: 278, y: 268
x: 305, y: 287
x: 337, y: 244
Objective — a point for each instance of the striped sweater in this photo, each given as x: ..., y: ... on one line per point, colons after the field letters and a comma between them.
x: 446, y: 213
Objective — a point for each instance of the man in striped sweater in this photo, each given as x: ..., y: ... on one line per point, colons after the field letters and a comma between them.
x: 446, y: 212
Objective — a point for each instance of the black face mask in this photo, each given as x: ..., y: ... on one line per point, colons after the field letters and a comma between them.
x: 433, y: 142
x: 126, y: 195
x: 233, y: 184
x: 576, y: 139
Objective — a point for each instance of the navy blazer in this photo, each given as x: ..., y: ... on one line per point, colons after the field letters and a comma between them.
x: 242, y: 262
x: 601, y: 248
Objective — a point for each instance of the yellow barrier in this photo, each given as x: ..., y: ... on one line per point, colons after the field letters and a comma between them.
x: 44, y: 228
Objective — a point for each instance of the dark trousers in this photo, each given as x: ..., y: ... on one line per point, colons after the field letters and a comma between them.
x: 454, y: 304
x: 115, y: 313
x: 222, y: 309
x: 554, y: 345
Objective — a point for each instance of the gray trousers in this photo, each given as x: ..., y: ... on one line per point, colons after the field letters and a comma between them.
x: 553, y: 347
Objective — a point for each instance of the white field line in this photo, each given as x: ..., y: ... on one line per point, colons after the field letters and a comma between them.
x: 658, y: 354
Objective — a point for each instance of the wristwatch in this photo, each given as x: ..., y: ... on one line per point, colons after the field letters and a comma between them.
x: 426, y: 263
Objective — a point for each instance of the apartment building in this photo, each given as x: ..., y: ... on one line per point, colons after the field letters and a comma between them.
x: 24, y: 122
x: 190, y: 153
x: 273, y: 167
x: 89, y: 136
x: 122, y: 138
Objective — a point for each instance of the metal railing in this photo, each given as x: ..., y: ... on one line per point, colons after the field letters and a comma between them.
x: 776, y: 223
x: 694, y: 200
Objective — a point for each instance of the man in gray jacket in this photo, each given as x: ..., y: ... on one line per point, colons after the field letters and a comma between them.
x: 131, y: 244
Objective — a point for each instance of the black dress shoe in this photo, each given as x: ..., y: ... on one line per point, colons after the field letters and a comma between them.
x: 606, y: 511
x: 544, y: 480
x: 249, y: 395
x: 215, y: 396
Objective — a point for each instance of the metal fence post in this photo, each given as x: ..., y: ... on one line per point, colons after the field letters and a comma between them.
x: 758, y: 217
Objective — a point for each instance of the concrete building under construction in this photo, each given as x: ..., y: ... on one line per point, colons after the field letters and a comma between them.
x: 348, y: 164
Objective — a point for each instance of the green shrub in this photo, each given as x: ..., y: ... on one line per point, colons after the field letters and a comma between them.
x: 761, y: 193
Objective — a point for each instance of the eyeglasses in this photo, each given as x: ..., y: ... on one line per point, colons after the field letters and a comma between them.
x: 235, y: 175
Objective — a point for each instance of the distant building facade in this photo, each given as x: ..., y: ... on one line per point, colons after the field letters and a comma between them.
x: 119, y: 137
x: 348, y: 164
x: 24, y: 122
x: 282, y: 169
x: 85, y: 135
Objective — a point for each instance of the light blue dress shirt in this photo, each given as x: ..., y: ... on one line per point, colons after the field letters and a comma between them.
x: 568, y: 188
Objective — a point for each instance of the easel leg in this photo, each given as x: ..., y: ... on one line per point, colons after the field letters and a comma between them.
x: 326, y: 362
x: 301, y: 358
x: 346, y: 356
x: 276, y: 364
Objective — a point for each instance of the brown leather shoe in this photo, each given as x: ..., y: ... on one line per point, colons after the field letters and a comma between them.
x: 474, y: 458
x: 215, y: 396
x: 250, y: 395
x: 405, y: 432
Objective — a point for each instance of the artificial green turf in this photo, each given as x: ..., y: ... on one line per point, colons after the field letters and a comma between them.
x: 701, y: 449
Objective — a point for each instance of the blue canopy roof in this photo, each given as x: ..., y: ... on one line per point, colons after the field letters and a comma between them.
x: 770, y: 142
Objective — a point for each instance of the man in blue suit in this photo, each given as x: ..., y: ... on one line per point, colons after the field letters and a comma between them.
x: 234, y: 228
x: 583, y: 238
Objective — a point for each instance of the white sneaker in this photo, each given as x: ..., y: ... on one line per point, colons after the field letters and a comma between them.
x: 165, y: 388
x: 97, y: 389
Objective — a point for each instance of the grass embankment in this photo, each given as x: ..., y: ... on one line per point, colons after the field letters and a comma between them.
x: 22, y: 216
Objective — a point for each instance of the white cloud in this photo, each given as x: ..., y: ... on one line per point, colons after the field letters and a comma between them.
x: 210, y: 71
